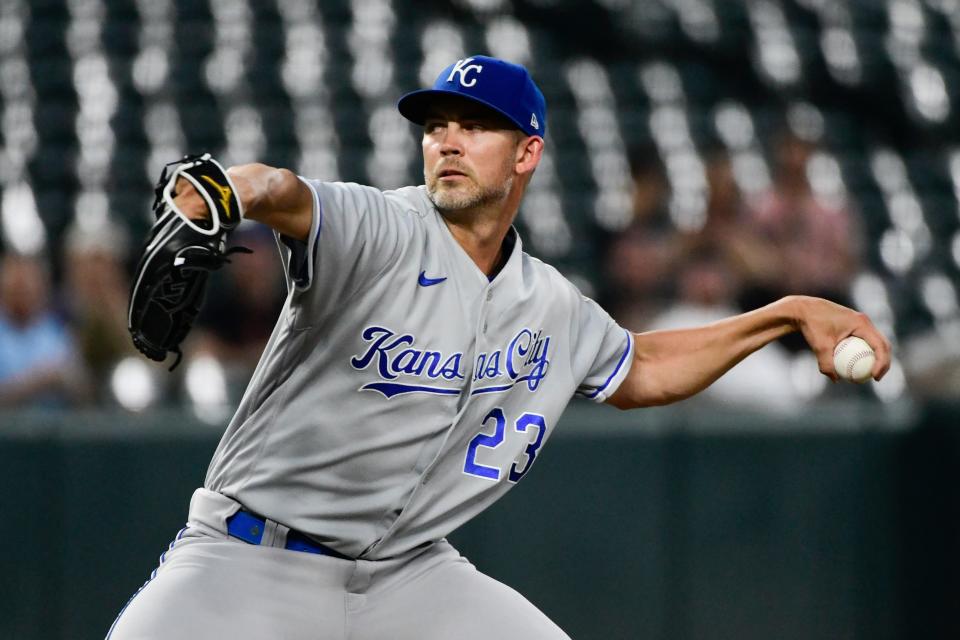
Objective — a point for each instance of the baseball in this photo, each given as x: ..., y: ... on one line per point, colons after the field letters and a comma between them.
x: 853, y: 359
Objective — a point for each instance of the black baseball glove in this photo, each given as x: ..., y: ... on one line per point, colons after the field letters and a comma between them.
x: 178, y: 256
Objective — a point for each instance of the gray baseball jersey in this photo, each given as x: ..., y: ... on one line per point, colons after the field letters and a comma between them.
x: 402, y: 391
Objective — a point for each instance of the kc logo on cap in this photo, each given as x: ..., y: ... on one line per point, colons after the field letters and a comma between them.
x: 496, y: 84
x: 462, y: 69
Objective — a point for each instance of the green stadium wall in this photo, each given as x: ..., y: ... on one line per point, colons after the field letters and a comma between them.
x: 675, y: 524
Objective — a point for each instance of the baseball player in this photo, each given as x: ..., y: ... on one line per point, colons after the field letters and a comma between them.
x: 418, y: 369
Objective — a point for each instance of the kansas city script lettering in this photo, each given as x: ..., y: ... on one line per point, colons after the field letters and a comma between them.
x: 524, y: 358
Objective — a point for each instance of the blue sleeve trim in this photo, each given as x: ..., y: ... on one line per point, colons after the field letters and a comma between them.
x: 616, y: 369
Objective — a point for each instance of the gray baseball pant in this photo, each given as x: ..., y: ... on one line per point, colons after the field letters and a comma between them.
x: 211, y: 586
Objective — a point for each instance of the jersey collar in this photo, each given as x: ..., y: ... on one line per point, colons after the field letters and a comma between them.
x: 511, y: 268
x: 507, y: 250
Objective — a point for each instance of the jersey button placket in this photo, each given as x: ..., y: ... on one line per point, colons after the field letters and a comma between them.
x: 486, y: 308
x: 481, y: 329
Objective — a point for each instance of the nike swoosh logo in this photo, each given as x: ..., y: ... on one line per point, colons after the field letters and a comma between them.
x: 424, y: 281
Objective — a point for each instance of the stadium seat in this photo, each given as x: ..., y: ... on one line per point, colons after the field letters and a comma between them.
x: 858, y: 117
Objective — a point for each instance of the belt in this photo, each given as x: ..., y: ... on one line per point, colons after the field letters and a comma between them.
x: 249, y: 528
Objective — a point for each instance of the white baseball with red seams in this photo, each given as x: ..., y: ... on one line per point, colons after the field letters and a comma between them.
x: 854, y: 359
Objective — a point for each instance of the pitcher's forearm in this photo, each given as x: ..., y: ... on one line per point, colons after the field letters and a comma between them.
x: 675, y: 364
x: 275, y: 197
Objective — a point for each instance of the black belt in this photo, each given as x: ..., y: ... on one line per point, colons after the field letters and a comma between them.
x: 249, y: 528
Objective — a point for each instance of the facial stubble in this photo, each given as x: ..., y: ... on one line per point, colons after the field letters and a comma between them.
x: 473, y: 196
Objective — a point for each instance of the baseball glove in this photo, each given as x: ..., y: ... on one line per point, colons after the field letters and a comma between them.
x: 179, y: 255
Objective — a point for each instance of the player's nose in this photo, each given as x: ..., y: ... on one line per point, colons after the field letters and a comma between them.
x: 452, y: 142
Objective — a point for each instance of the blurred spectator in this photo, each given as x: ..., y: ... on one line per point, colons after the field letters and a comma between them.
x: 724, y: 236
x: 242, y: 305
x: 38, y: 365
x: 646, y: 258
x: 671, y: 279
x: 96, y: 291
x: 811, y: 246
x: 642, y: 257
x: 650, y: 189
x: 705, y: 291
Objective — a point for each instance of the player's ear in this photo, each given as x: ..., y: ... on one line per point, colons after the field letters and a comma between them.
x: 529, y: 152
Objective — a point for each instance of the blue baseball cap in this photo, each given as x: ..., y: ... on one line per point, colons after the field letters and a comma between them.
x: 503, y: 86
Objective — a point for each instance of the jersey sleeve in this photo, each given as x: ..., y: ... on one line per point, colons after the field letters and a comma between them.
x: 299, y: 257
x: 602, y: 351
x: 355, y: 233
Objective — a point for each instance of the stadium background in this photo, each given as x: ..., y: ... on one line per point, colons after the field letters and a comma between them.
x: 778, y: 506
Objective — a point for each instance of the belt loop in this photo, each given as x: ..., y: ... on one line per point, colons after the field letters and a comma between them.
x: 274, y: 534
x: 269, y: 530
x: 269, y: 533
x: 281, y: 536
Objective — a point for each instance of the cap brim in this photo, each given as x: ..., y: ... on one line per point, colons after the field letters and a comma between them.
x: 414, y: 105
